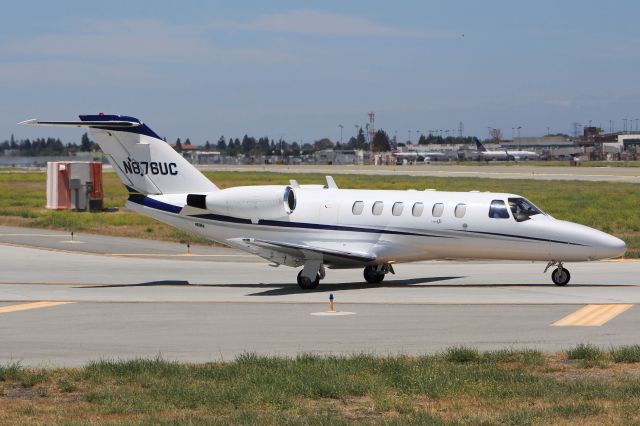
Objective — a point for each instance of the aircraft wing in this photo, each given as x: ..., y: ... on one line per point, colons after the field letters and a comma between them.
x: 291, y: 254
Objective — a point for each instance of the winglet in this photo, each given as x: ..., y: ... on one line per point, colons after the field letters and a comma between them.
x: 331, y: 183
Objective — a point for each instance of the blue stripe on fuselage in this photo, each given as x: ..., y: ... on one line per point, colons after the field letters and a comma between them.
x: 170, y: 208
x: 154, y: 204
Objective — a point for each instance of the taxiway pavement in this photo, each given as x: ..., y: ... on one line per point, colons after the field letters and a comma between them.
x: 131, y: 298
x: 521, y: 171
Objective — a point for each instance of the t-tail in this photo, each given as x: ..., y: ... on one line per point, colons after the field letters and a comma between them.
x: 480, y: 147
x: 143, y: 161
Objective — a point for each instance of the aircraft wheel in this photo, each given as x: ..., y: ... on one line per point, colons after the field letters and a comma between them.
x: 372, y: 276
x: 560, y: 276
x: 306, y: 284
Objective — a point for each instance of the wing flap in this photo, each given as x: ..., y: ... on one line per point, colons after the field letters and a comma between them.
x: 292, y: 254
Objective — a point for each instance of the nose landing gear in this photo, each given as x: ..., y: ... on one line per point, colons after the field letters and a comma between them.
x: 560, y: 276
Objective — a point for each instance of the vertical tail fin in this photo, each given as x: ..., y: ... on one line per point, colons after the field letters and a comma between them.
x: 144, y: 163
x: 480, y: 147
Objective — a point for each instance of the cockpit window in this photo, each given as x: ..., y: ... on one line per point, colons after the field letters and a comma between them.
x: 522, y: 209
x: 498, y: 210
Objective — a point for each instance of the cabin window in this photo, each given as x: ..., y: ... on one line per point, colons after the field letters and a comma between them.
x: 377, y: 208
x: 357, y: 208
x: 417, y: 209
x: 460, y: 210
x: 498, y: 210
x: 437, y: 209
x: 522, y: 209
x: 397, y: 208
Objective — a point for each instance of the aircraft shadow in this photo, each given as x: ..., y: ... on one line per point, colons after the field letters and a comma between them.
x: 283, y: 289
x: 147, y: 284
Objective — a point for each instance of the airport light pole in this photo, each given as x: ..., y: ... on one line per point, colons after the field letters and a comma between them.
x: 341, y: 127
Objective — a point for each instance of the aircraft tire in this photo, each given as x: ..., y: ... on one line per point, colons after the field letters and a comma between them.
x: 306, y: 284
x: 560, y: 276
x: 372, y: 276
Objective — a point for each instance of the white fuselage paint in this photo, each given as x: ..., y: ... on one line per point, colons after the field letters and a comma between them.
x: 323, y: 218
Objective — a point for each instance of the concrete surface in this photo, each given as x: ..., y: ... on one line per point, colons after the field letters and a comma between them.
x: 218, y: 306
x: 521, y: 171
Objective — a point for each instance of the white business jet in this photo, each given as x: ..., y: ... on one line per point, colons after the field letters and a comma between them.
x: 505, y: 154
x: 318, y: 226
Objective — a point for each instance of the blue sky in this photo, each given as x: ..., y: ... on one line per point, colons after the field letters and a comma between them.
x: 299, y: 69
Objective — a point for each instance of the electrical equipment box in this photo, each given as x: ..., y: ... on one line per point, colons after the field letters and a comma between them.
x: 74, y: 185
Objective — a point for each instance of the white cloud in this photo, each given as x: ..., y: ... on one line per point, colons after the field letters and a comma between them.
x: 35, y: 73
x: 312, y: 22
x: 142, y: 40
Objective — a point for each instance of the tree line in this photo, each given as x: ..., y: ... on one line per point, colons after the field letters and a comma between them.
x: 248, y: 145
x: 46, y: 146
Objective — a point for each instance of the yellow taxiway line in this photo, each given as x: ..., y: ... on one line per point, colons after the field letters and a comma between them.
x: 27, y: 306
x: 592, y: 315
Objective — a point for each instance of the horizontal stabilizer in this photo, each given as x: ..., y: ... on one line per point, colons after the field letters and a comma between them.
x: 115, y: 124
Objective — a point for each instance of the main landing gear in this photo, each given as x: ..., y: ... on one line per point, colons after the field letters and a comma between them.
x: 375, y: 274
x: 309, y: 277
x: 560, y: 276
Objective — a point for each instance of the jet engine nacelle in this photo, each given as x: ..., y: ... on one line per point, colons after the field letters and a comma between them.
x: 248, y: 202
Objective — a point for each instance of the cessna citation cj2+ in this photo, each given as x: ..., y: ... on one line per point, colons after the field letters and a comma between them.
x: 318, y: 226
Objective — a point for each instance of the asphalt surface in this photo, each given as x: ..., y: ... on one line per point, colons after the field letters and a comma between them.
x: 521, y: 171
x: 137, y: 298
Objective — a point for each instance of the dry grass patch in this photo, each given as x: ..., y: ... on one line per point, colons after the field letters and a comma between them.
x: 502, y: 387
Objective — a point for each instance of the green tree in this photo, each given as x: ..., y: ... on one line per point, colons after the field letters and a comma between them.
x: 381, y: 142
x: 324, y: 143
x: 178, y: 147
x: 222, y: 144
x: 361, y: 141
x: 85, y: 143
x: 248, y: 144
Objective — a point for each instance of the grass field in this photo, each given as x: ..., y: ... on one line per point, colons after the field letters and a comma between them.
x: 460, y: 386
x: 611, y: 207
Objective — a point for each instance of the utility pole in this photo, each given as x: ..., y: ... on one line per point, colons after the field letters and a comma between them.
x: 548, y: 132
x: 341, y: 127
x: 575, y: 129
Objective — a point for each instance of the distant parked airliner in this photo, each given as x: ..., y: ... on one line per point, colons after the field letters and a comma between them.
x: 505, y: 154
x: 318, y: 226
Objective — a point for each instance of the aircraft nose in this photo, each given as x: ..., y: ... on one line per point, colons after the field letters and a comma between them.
x: 608, y: 247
